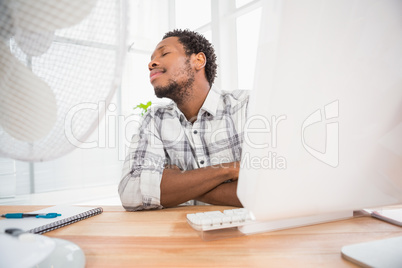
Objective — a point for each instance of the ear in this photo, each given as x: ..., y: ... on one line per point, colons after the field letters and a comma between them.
x: 200, y: 61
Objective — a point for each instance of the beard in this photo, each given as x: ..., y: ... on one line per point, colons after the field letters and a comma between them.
x: 178, y: 92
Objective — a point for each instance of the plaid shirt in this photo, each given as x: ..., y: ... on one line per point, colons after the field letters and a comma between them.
x: 166, y: 137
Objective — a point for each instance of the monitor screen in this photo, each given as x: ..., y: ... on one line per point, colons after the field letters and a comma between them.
x: 324, y: 130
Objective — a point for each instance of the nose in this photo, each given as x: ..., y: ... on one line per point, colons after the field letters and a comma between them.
x: 152, y: 64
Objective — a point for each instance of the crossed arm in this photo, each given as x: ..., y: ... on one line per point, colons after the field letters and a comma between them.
x: 204, y: 184
x: 143, y: 188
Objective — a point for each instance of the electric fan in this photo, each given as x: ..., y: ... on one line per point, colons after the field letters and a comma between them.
x: 58, y: 60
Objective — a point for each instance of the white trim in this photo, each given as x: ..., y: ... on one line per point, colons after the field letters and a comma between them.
x: 245, y: 9
x: 204, y: 28
x: 224, y: 38
x: 172, y: 14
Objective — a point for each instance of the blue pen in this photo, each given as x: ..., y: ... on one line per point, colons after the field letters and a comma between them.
x: 26, y: 215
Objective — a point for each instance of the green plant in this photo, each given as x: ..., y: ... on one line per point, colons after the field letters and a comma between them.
x: 143, y: 107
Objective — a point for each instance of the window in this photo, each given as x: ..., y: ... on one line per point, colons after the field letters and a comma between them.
x: 248, y: 27
x: 192, y: 14
x: 233, y: 28
x: 240, y: 3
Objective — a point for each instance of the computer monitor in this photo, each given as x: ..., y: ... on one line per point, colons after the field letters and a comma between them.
x: 324, y: 134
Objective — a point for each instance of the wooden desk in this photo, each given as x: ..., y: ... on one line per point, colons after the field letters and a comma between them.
x: 164, y: 239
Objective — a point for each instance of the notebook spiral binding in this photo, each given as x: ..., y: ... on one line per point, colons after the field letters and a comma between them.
x: 67, y: 221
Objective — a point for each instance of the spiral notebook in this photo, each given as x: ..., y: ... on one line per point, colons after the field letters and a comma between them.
x: 69, y: 215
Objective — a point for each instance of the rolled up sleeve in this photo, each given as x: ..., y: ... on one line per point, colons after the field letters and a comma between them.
x: 139, y: 188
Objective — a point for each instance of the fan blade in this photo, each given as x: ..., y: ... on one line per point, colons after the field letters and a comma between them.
x: 50, y: 15
x: 6, y: 21
x: 34, y: 44
x: 28, y: 108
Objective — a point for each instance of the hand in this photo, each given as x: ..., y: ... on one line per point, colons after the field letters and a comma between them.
x: 233, y: 169
x: 173, y: 167
x: 224, y: 195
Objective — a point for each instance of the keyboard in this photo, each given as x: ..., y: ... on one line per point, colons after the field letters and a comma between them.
x: 214, y: 220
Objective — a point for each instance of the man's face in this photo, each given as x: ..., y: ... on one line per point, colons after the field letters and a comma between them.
x: 171, y: 72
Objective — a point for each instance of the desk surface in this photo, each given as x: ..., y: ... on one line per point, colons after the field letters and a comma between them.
x: 164, y: 239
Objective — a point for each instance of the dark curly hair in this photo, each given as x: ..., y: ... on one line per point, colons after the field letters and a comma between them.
x: 194, y: 43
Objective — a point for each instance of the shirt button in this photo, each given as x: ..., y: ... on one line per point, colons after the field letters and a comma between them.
x: 202, y: 162
x: 195, y: 132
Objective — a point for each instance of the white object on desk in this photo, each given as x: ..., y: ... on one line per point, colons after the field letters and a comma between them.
x: 393, y: 216
x: 26, y: 250
x: 380, y: 253
x: 214, y: 220
x: 31, y: 250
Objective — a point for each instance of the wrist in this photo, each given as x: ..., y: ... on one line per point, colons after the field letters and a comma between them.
x: 230, y: 171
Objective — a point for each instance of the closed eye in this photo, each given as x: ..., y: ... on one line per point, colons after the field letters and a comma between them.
x: 164, y: 54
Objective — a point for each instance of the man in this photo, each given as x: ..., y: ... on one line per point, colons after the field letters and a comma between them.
x: 189, y: 149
